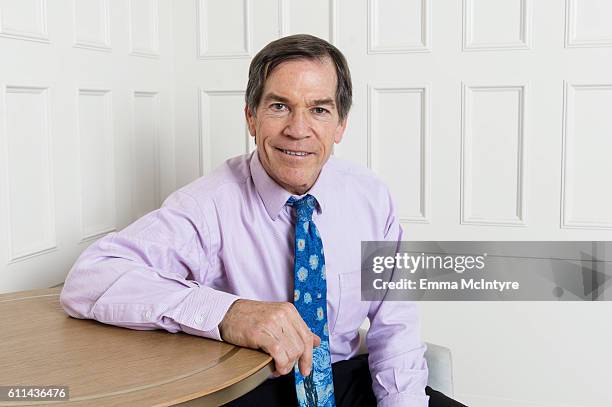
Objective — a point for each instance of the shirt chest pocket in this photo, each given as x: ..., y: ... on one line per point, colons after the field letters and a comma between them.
x: 351, y: 310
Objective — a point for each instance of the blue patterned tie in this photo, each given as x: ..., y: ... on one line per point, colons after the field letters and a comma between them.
x: 310, y: 299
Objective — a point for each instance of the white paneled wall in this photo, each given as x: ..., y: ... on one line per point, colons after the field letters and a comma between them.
x: 214, y: 122
x: 488, y: 119
x: 84, y: 146
x: 29, y: 197
x: 492, y: 187
x: 398, y: 116
x: 25, y: 20
x: 96, y: 163
x: 398, y: 26
x: 587, y: 143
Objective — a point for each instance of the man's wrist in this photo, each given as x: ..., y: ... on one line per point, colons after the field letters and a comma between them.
x: 203, y: 310
x: 227, y: 318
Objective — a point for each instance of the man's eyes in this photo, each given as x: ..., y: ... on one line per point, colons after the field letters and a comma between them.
x: 281, y: 107
x: 320, y: 110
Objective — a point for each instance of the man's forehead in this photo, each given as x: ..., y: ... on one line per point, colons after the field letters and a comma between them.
x: 287, y: 76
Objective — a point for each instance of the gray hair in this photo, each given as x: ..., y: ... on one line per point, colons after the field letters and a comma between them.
x: 300, y: 46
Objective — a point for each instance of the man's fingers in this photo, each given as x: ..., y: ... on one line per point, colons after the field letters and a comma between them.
x: 272, y: 346
x: 305, y: 362
x: 276, y: 328
x: 287, y: 348
x: 306, y: 336
x: 298, y: 346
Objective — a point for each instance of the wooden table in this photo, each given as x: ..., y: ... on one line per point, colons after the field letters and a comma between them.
x: 105, y: 365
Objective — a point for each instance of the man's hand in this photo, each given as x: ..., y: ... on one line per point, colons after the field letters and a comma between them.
x: 275, y: 327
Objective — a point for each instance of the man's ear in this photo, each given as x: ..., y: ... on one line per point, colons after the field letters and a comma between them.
x: 340, y: 130
x: 250, y: 119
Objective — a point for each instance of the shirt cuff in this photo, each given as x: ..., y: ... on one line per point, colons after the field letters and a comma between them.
x: 403, y: 400
x: 203, y: 311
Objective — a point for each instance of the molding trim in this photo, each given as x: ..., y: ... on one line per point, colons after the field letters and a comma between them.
x: 104, y: 44
x: 571, y: 39
x: 204, y: 139
x: 108, y: 117
x: 566, y: 221
x: 465, y: 217
x: 423, y: 46
x: 153, y: 51
x: 202, y: 37
x: 49, y: 244
x: 284, y: 20
x: 423, y: 91
x: 40, y: 35
x: 525, y: 23
x: 154, y: 96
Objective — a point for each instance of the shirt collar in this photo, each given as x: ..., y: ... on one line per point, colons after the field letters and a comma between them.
x: 275, y: 197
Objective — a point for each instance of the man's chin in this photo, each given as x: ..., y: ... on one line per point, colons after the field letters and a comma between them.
x: 297, y: 186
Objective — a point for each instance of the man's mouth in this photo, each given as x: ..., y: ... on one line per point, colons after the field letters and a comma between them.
x: 294, y: 153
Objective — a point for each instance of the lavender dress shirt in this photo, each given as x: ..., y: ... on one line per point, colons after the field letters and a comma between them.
x: 229, y: 235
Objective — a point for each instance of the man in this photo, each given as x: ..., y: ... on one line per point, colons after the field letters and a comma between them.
x: 265, y: 251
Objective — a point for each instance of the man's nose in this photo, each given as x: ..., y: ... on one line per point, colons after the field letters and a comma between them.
x: 297, y: 125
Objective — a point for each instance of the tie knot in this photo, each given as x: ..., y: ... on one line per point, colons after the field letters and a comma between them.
x: 304, y: 207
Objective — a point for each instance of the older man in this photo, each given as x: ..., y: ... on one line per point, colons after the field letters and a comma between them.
x: 265, y: 251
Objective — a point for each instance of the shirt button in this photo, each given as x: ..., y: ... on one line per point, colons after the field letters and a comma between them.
x: 200, y: 318
x: 146, y: 314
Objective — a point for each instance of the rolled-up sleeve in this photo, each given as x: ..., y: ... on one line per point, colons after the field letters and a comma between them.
x: 143, y: 277
x: 396, y: 352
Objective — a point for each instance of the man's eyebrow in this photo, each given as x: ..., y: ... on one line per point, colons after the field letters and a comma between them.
x: 274, y: 97
x: 326, y: 101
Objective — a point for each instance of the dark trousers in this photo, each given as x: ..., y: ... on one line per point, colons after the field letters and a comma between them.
x: 352, y: 388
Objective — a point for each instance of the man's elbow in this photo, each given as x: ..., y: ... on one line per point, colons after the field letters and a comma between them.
x: 75, y: 297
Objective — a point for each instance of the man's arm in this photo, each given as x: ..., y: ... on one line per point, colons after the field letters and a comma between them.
x: 143, y: 276
x: 149, y: 276
x: 396, y: 352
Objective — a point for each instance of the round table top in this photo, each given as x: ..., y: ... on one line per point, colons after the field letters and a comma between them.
x: 107, y: 365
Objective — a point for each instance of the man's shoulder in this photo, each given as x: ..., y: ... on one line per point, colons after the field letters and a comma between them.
x: 229, y: 178
x: 355, y: 176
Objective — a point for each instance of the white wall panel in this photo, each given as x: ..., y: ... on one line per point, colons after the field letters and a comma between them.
x: 144, y: 31
x: 145, y: 153
x: 224, y: 28
x: 587, y: 197
x: 91, y: 24
x: 396, y: 26
x: 496, y: 25
x: 493, y: 187
x: 24, y: 19
x: 219, y: 137
x: 398, y: 140
x: 29, y: 169
x: 96, y: 163
x: 66, y: 153
x: 588, y: 23
x: 316, y: 17
x: 267, y: 15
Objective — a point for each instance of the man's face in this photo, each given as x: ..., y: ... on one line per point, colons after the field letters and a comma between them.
x: 297, y: 122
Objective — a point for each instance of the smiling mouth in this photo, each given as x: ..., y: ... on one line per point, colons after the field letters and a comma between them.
x: 294, y: 153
